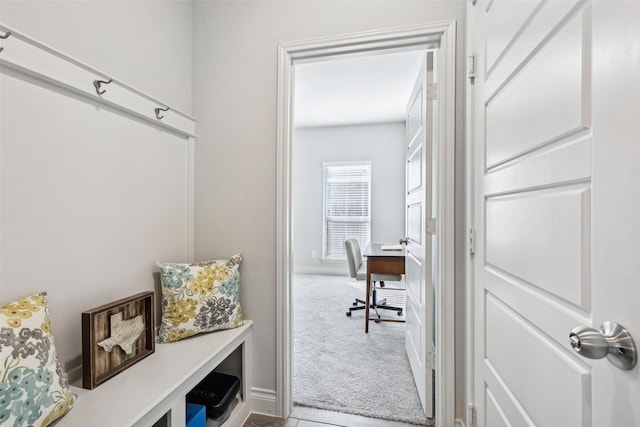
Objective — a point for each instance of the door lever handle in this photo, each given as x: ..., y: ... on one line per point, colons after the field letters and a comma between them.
x: 612, y: 341
x: 404, y: 241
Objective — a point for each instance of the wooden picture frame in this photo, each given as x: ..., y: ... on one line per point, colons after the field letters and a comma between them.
x: 106, y: 353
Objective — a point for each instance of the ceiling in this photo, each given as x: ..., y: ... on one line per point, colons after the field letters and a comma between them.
x: 367, y: 89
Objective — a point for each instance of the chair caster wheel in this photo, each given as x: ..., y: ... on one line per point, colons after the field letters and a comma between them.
x: 348, y: 313
x: 355, y: 303
x: 399, y: 313
x: 377, y: 321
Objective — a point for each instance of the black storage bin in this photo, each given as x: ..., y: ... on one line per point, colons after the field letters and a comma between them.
x: 215, y: 392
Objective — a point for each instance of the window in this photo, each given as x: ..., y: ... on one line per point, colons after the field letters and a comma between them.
x: 347, y: 206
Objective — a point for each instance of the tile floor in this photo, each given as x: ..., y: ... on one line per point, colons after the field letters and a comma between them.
x: 311, y: 417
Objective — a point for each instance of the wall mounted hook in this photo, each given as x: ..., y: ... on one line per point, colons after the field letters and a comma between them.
x: 157, y: 110
x: 4, y: 37
x: 98, y: 83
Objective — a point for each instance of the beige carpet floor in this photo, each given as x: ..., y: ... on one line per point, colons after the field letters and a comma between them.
x: 340, y: 368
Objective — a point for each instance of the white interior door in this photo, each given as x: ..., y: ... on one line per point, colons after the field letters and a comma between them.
x: 557, y: 151
x: 420, y: 262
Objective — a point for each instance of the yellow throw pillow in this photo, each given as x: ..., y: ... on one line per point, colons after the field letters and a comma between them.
x: 34, y: 389
x: 199, y: 297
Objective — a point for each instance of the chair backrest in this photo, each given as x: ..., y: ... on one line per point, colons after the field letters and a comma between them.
x: 354, y: 256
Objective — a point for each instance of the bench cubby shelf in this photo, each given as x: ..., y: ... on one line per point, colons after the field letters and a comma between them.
x: 156, y: 386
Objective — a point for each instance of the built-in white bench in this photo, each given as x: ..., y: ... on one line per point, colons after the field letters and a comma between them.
x: 152, y: 392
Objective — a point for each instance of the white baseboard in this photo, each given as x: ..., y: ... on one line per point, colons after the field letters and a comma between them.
x: 338, y: 270
x: 263, y: 401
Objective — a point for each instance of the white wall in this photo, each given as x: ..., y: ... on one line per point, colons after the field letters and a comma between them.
x: 235, y: 87
x: 144, y: 43
x: 381, y: 144
x: 90, y: 199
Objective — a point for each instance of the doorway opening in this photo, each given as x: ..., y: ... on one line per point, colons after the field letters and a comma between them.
x: 348, y: 181
x: 442, y: 36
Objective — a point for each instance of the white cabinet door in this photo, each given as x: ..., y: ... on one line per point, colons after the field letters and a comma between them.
x: 419, y: 276
x: 557, y: 162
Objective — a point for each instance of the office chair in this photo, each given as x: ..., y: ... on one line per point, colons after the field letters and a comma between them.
x: 358, y: 271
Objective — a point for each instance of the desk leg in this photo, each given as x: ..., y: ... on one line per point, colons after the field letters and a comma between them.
x: 367, y: 303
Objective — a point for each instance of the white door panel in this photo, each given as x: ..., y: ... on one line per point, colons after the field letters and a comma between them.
x: 557, y: 162
x: 495, y: 415
x: 503, y: 24
x: 560, y: 163
x: 541, y: 362
x: 414, y: 168
x: 553, y: 316
x: 415, y: 118
x: 414, y: 223
x: 542, y: 238
x: 520, y: 119
x: 413, y: 275
x: 544, y: 19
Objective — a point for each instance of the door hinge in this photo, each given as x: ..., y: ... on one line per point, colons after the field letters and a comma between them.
x: 471, y: 66
x: 471, y: 414
x: 431, y: 226
x: 471, y: 240
x: 431, y: 360
x: 432, y: 91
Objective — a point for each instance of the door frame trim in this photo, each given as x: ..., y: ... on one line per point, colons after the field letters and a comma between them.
x: 395, y: 39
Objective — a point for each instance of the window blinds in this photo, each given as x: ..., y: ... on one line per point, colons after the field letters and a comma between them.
x: 347, y: 207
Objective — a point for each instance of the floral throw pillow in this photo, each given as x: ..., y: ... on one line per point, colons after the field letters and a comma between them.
x: 34, y: 389
x: 199, y: 297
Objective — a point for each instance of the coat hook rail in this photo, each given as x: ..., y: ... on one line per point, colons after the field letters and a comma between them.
x: 99, y: 83
x: 4, y: 37
x: 157, y: 110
